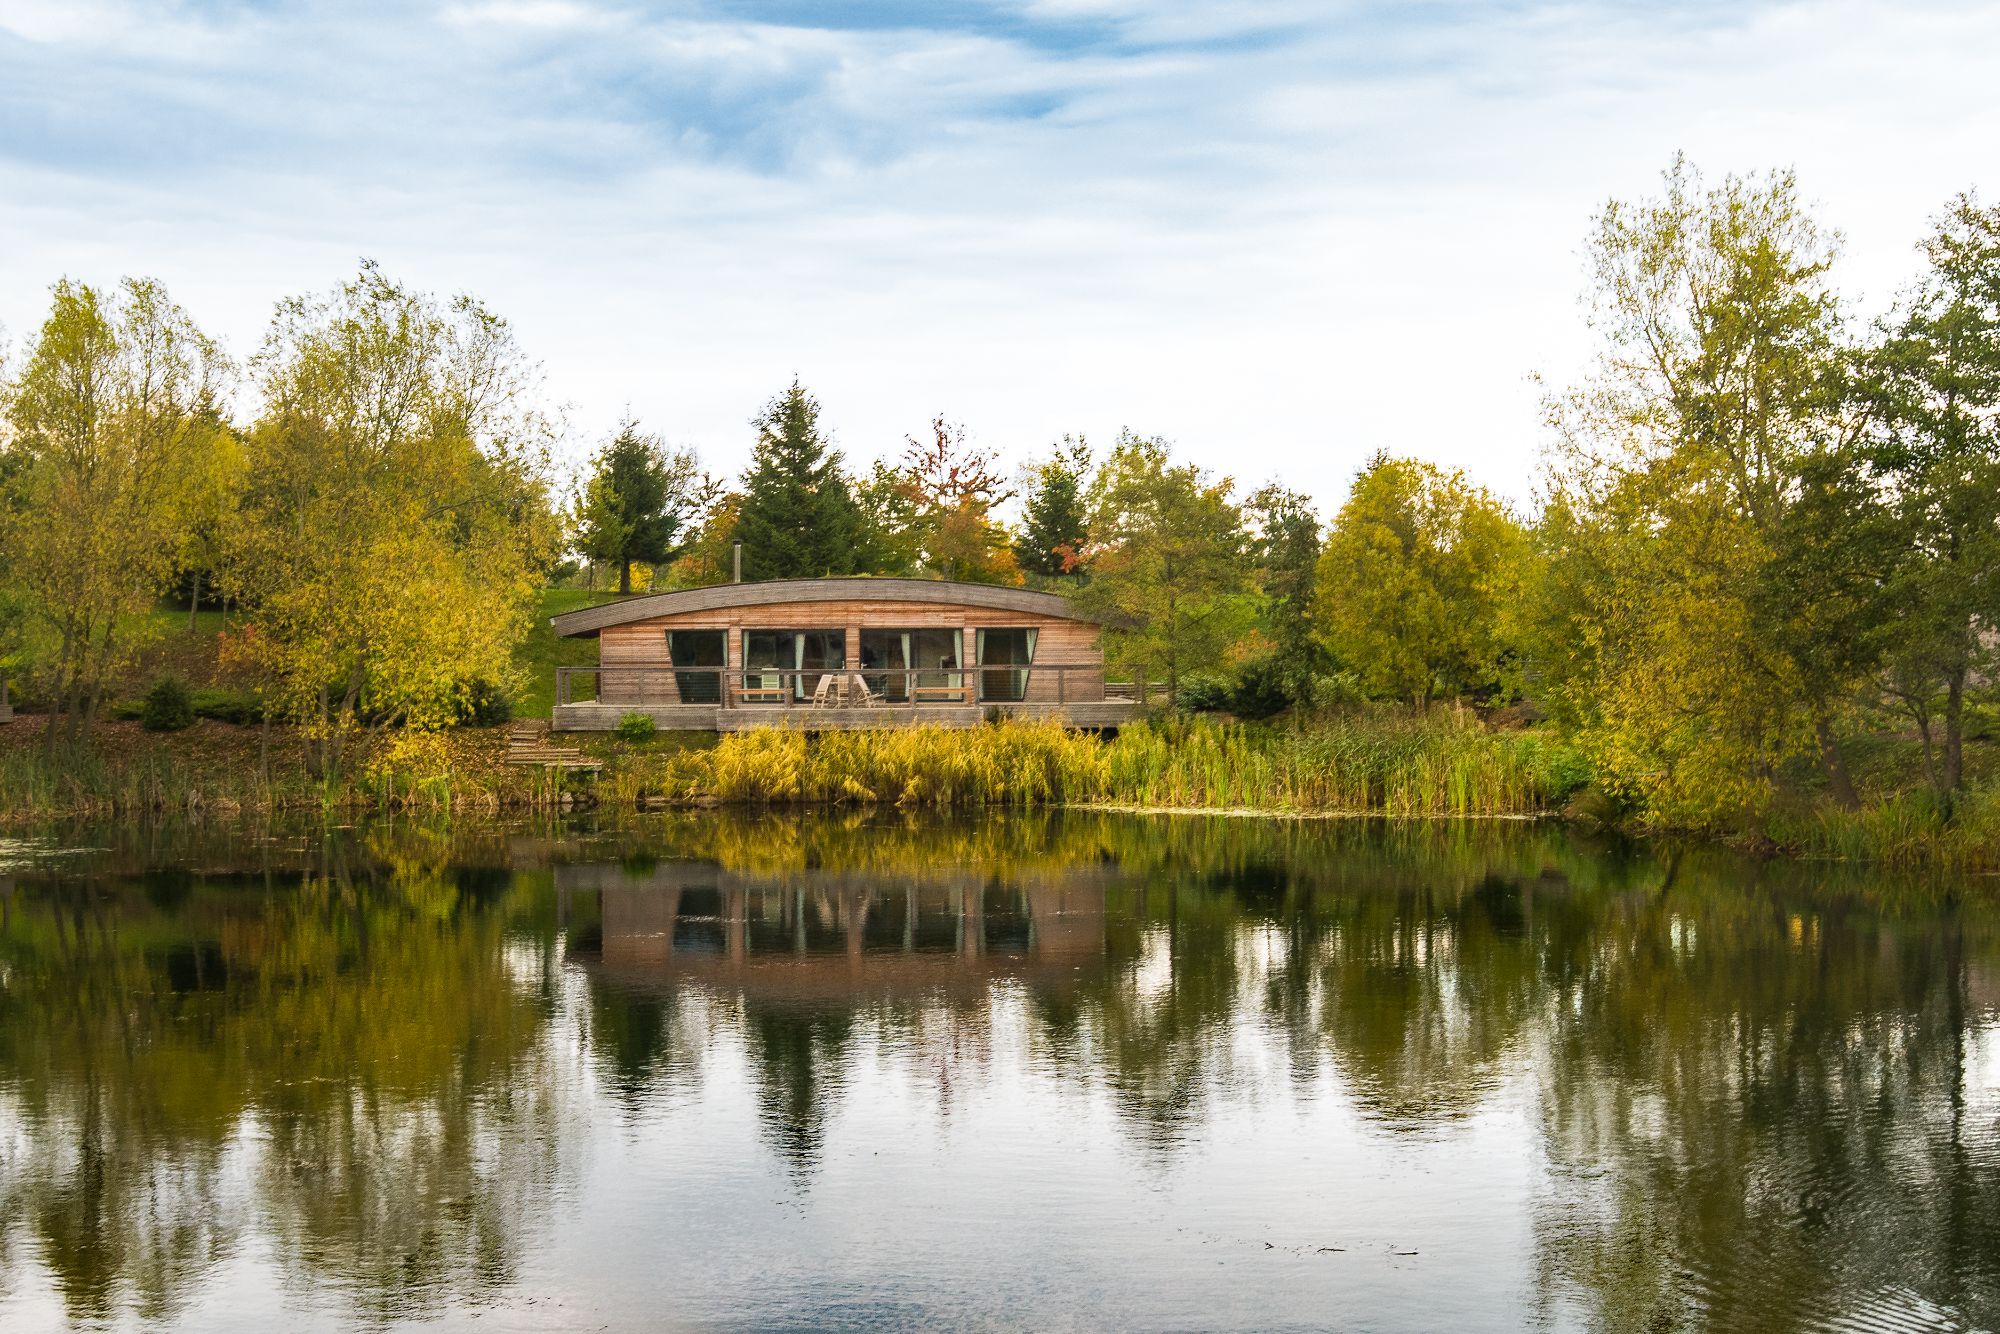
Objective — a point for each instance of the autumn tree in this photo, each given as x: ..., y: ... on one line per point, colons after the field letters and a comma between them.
x: 1169, y: 580
x: 396, y: 517
x: 212, y: 494
x: 117, y: 406
x: 798, y: 518
x: 1412, y: 587
x: 640, y: 501
x: 707, y: 556
x: 1932, y: 390
x: 955, y: 485
x: 1055, y: 512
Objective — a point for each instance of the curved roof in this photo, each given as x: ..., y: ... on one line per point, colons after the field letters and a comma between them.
x: 720, y: 597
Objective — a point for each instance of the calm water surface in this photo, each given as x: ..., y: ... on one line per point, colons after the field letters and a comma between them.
x: 1063, y: 1072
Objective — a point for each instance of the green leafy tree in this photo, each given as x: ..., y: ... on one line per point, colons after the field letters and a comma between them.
x: 891, y: 521
x: 1933, y: 391
x: 1721, y: 378
x: 1055, y: 514
x: 396, y: 522
x: 1169, y: 578
x: 799, y: 518
x: 640, y: 500
x: 1285, y: 547
x: 1414, y: 583
x: 1828, y: 593
x: 116, y: 408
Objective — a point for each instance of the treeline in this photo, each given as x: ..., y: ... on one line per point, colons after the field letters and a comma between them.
x: 1766, y: 530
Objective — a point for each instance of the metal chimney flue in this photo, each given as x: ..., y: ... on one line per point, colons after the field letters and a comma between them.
x: 736, y: 576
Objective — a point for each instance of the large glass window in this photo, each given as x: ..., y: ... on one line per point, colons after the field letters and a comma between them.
x: 697, y: 649
x: 770, y: 657
x: 1004, y: 655
x: 923, y: 664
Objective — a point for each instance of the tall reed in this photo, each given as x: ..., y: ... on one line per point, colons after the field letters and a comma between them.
x: 1426, y: 767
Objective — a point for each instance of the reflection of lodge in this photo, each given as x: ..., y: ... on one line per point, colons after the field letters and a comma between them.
x: 826, y: 934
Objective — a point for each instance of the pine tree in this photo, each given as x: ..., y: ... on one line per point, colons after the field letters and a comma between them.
x: 1055, y: 519
x: 638, y: 502
x: 799, y: 518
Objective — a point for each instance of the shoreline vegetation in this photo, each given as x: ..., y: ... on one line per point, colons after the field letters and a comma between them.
x: 1446, y: 764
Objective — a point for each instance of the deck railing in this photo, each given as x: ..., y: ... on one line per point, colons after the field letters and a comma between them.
x: 819, y: 687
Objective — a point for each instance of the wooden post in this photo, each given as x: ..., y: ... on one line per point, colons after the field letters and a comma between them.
x: 850, y: 653
x: 732, y: 663
x: 968, y: 658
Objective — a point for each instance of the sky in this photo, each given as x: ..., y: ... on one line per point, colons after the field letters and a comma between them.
x: 1282, y: 235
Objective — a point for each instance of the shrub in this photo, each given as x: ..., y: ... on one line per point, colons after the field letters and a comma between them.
x: 485, y: 704
x: 167, y: 707
x: 1204, y: 694
x: 637, y: 728
x: 240, y: 707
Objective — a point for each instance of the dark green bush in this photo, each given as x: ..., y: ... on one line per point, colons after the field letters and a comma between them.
x: 1267, y: 686
x: 241, y: 707
x: 1205, y: 694
x: 485, y: 705
x: 167, y: 707
x: 637, y: 728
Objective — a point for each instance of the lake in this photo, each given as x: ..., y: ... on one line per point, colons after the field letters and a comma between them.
x: 1065, y: 1071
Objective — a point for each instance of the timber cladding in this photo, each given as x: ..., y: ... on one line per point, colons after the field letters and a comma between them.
x: 735, y: 598
x: 632, y: 634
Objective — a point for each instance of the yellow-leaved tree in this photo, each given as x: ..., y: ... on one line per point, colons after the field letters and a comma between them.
x: 396, y: 520
x: 1416, y: 581
x: 119, y: 403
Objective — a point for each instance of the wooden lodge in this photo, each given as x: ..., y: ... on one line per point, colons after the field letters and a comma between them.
x: 837, y: 653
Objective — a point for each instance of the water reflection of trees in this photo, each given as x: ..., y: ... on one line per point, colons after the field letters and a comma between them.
x: 1757, y: 1108
x: 1750, y: 1080
x: 1752, y: 1086
x: 351, y: 1035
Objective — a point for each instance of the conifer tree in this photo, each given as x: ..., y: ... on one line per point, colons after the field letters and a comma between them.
x: 640, y: 501
x: 799, y: 517
x: 1055, y: 518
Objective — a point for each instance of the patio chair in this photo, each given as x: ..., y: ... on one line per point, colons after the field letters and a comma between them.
x: 857, y: 693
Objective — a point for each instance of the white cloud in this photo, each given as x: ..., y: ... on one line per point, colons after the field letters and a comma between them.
x: 1284, y: 252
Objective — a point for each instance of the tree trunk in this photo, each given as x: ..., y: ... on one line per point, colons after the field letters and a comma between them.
x: 1838, y: 780
x: 1929, y: 751
x: 1954, y: 731
x: 194, y: 601
x: 625, y: 576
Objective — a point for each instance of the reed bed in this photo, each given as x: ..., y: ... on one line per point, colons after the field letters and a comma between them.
x: 1443, y: 766
x: 1906, y: 829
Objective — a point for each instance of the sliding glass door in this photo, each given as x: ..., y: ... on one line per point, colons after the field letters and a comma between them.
x: 913, y: 664
x: 1004, y: 656
x: 770, y: 657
